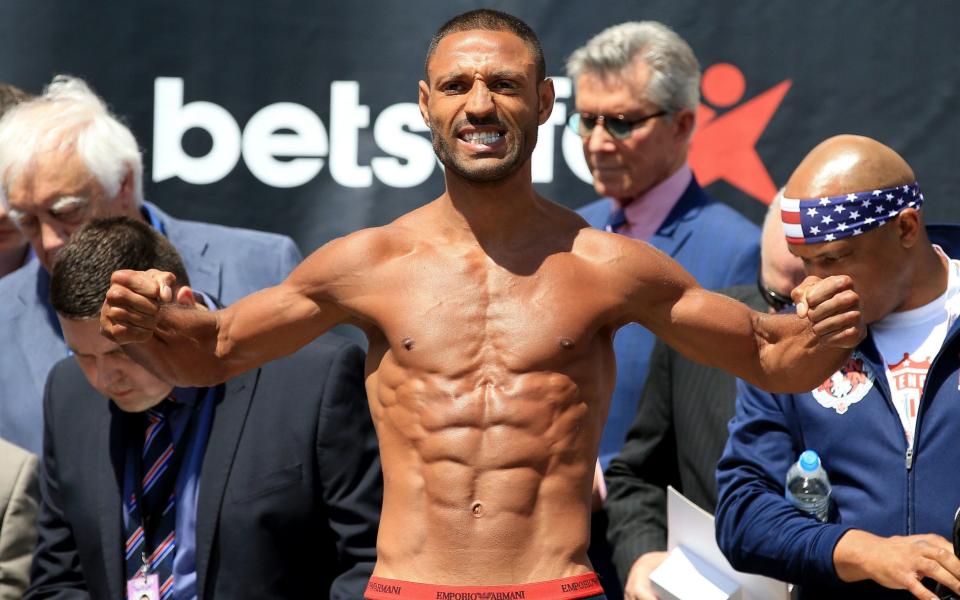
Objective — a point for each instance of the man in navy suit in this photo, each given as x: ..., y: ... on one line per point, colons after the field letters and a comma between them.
x: 272, y: 479
x: 64, y: 160
x: 637, y: 92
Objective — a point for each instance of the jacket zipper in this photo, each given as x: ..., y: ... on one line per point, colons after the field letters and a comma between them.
x: 908, y: 458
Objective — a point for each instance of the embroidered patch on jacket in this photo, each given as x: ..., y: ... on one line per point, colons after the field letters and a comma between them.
x: 845, y: 387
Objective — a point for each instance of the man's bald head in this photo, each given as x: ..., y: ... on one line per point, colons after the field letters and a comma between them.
x: 852, y: 207
x: 847, y: 164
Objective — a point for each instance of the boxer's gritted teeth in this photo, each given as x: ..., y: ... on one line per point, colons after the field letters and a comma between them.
x: 481, y: 137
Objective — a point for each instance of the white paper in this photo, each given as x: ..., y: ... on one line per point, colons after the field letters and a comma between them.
x: 691, y: 527
x: 686, y: 576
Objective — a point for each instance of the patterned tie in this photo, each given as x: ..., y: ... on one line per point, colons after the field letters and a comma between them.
x: 616, y: 220
x: 154, y: 509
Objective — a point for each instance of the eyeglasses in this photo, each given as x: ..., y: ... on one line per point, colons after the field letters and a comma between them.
x: 774, y: 300
x: 619, y: 127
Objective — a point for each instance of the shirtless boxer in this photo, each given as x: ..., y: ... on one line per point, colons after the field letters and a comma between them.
x: 490, y: 313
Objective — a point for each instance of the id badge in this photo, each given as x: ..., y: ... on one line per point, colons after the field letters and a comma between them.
x: 144, y: 587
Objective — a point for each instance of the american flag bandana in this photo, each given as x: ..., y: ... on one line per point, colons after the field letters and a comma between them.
x: 818, y: 220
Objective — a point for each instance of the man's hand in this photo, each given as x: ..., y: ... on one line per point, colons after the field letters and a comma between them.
x: 129, y: 312
x: 898, y: 562
x: 833, y: 308
x: 638, y: 581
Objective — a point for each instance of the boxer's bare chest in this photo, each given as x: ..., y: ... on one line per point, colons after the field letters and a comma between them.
x: 449, y: 311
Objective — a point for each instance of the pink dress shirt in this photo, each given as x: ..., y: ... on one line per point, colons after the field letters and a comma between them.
x: 647, y: 212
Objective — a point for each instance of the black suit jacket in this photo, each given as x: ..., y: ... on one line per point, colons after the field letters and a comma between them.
x: 290, y: 488
x: 676, y: 439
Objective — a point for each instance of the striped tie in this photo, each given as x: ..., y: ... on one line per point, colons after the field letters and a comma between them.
x: 617, y: 219
x: 155, y: 507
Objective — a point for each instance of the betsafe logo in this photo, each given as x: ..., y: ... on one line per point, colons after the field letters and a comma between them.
x: 724, y: 145
x: 286, y: 144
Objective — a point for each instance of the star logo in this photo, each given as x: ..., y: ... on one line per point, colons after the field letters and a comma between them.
x: 724, y: 145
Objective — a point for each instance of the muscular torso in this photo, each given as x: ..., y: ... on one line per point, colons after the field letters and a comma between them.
x: 489, y: 384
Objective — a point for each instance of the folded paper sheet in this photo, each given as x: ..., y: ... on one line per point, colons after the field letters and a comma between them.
x: 696, y: 569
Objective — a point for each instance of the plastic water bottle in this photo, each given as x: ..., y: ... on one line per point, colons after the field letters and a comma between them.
x: 808, y: 487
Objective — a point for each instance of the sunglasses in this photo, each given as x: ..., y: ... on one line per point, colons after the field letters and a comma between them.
x: 619, y: 127
x: 774, y: 300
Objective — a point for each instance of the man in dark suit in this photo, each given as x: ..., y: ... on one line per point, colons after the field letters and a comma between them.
x: 637, y: 92
x: 65, y: 160
x: 267, y: 486
x: 680, y: 430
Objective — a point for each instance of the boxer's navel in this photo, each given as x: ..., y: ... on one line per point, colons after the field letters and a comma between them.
x: 407, y: 343
x: 477, y: 509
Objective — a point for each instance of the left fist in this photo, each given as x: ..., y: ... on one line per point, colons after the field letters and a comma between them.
x: 833, y: 308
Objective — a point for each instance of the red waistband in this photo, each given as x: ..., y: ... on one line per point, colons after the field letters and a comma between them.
x: 568, y: 588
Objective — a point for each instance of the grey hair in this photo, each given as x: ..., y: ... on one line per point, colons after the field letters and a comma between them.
x: 675, y: 80
x: 69, y: 116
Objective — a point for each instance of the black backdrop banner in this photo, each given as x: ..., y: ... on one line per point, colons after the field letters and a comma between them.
x: 300, y: 117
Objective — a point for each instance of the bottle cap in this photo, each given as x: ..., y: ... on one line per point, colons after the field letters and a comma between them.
x: 809, y: 461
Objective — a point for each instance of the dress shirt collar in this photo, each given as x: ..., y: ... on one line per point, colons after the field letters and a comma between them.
x: 647, y: 212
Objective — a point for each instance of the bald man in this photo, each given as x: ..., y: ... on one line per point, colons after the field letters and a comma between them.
x: 490, y: 313
x: 887, y: 424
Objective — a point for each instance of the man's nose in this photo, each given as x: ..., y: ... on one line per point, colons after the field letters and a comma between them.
x: 107, y: 374
x: 600, y: 140
x: 480, y: 100
x: 52, y: 237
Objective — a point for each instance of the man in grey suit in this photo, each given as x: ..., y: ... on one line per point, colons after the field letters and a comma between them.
x: 64, y: 160
x: 19, y: 500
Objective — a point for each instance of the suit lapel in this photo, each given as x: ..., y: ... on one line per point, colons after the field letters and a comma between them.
x: 230, y: 415
x: 109, y: 468
x: 678, y: 226
x: 203, y: 270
